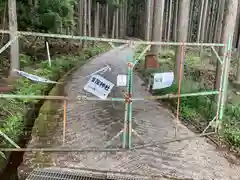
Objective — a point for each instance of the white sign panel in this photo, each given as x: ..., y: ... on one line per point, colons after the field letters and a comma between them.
x: 121, y: 80
x: 99, y: 86
x: 162, y: 80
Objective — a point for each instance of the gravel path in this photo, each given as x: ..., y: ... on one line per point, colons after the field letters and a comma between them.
x: 92, y: 124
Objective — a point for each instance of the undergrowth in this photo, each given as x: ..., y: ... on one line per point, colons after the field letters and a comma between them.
x: 198, y: 109
x: 13, y: 111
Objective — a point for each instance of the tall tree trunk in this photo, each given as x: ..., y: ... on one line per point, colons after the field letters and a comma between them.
x: 238, y: 48
x: 212, y: 23
x: 85, y: 22
x: 13, y: 28
x: 191, y: 21
x: 137, y: 30
x: 96, y: 21
x: 238, y: 62
x: 138, y: 21
x: 208, y: 21
x: 106, y: 21
x: 215, y: 21
x: 157, y: 25
x: 203, y: 30
x: 183, y: 31
x: 89, y: 17
x: 142, y: 20
x: 3, y: 23
x: 237, y: 41
x: 218, y: 39
x: 113, y: 24
x: 175, y: 28
x: 165, y: 22
x: 200, y: 22
x: 121, y: 20
x: 228, y: 31
x: 101, y: 21
x: 117, y: 23
x: 149, y: 16
x: 125, y: 16
x: 80, y: 21
x: 237, y: 28
x: 169, y: 21
x: 220, y: 21
x: 30, y: 2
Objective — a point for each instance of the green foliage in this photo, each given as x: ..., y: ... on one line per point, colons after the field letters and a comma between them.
x: 2, y: 5
x: 13, y: 110
x: 198, y: 109
x: 45, y: 16
x: 231, y: 126
x: 114, y: 4
x: 49, y: 15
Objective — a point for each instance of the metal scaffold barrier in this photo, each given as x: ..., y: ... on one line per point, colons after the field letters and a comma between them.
x: 129, y: 98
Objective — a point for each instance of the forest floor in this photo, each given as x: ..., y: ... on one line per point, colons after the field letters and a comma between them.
x: 94, y: 123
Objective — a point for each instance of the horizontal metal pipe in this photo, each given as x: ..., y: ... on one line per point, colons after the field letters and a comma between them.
x: 78, y: 98
x: 111, y: 40
x: 85, y: 98
x: 13, y: 96
x: 103, y: 150
x: 60, y: 150
x: 170, y: 96
x: 9, y: 43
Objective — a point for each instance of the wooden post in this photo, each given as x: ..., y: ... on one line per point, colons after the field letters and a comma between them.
x: 13, y: 28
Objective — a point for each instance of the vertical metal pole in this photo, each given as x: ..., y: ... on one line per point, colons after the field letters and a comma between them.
x: 126, y: 117
x: 219, y: 105
x: 130, y: 66
x: 125, y: 126
x: 225, y: 80
x: 180, y: 80
x: 64, y: 120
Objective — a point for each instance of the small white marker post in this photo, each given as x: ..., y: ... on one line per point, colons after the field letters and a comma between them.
x: 121, y: 80
x: 48, y: 54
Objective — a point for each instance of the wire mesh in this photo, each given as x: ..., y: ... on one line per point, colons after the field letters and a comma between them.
x: 67, y: 174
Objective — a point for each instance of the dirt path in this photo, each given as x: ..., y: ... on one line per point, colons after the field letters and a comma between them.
x: 91, y: 124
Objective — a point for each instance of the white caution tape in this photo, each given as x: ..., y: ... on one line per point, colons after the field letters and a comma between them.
x: 34, y: 77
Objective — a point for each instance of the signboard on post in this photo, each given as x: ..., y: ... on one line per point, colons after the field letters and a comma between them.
x: 99, y: 86
x: 162, y: 80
